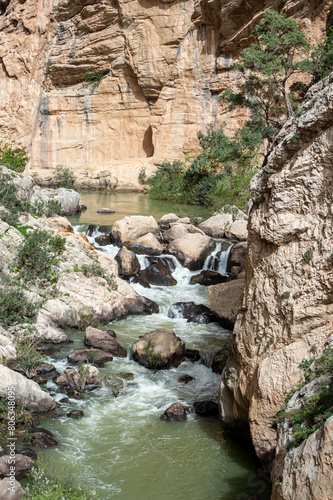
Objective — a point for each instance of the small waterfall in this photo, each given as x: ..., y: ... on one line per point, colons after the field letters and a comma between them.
x: 218, y: 259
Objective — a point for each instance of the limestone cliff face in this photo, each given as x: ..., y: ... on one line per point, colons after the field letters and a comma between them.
x: 287, y: 308
x: 164, y: 64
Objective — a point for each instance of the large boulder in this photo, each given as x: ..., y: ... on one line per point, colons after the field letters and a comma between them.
x: 222, y: 222
x: 175, y: 412
x: 191, y: 250
x: 225, y: 301
x: 193, y: 313
x: 68, y: 198
x: 179, y: 230
x: 104, y: 340
x: 167, y: 219
x: 237, y: 230
x: 26, y: 391
x: 216, y: 225
x: 158, y: 274
x: 129, y: 229
x: 128, y: 262
x: 159, y: 349
x: 147, y: 244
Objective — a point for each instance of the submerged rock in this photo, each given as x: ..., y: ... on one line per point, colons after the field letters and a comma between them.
x: 192, y: 355
x: 159, y: 349
x: 105, y: 211
x: 185, y: 379
x: 193, y: 313
x: 175, y: 412
x: 104, y: 340
x: 127, y: 230
x: 75, y: 414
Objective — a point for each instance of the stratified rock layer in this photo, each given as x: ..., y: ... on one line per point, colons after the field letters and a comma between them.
x: 288, y: 302
x: 162, y: 64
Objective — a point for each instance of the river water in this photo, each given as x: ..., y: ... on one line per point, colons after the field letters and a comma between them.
x: 121, y: 448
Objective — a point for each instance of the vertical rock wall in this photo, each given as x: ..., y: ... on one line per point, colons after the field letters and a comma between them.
x: 287, y: 310
x: 164, y: 64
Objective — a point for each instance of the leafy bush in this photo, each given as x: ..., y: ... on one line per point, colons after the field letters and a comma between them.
x: 15, y: 308
x: 27, y: 356
x: 38, y: 254
x: 93, y: 78
x: 12, y: 160
x: 64, y: 177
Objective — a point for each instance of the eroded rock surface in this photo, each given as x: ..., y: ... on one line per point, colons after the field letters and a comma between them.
x: 287, y: 306
x: 160, y: 92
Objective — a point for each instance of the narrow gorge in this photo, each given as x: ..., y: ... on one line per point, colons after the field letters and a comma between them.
x: 128, y: 317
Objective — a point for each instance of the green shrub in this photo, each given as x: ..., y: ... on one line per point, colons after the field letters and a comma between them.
x: 27, y: 356
x: 64, y: 177
x: 38, y: 254
x: 15, y: 308
x: 54, y: 483
x: 12, y: 160
x: 49, y: 208
x: 93, y: 78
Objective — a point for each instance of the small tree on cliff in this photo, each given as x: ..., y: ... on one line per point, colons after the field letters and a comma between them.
x: 278, y: 52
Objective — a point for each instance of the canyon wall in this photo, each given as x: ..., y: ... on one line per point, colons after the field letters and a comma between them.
x: 163, y: 62
x: 287, y: 309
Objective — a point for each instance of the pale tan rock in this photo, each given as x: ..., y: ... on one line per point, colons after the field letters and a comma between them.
x: 225, y: 299
x: 104, y: 340
x: 159, y: 349
x: 129, y: 229
x: 192, y: 249
x: 168, y: 218
x: 26, y: 391
x: 154, y: 96
x: 216, y: 225
x: 81, y: 379
x: 10, y: 489
x: 287, y: 305
x: 7, y: 347
x: 305, y: 473
x: 147, y: 244
x: 180, y: 230
x: 128, y: 262
x: 237, y: 231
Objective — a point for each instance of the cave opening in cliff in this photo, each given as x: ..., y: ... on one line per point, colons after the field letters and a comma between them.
x: 147, y: 143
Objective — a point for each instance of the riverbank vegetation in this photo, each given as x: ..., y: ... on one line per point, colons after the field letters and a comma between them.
x: 221, y: 173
